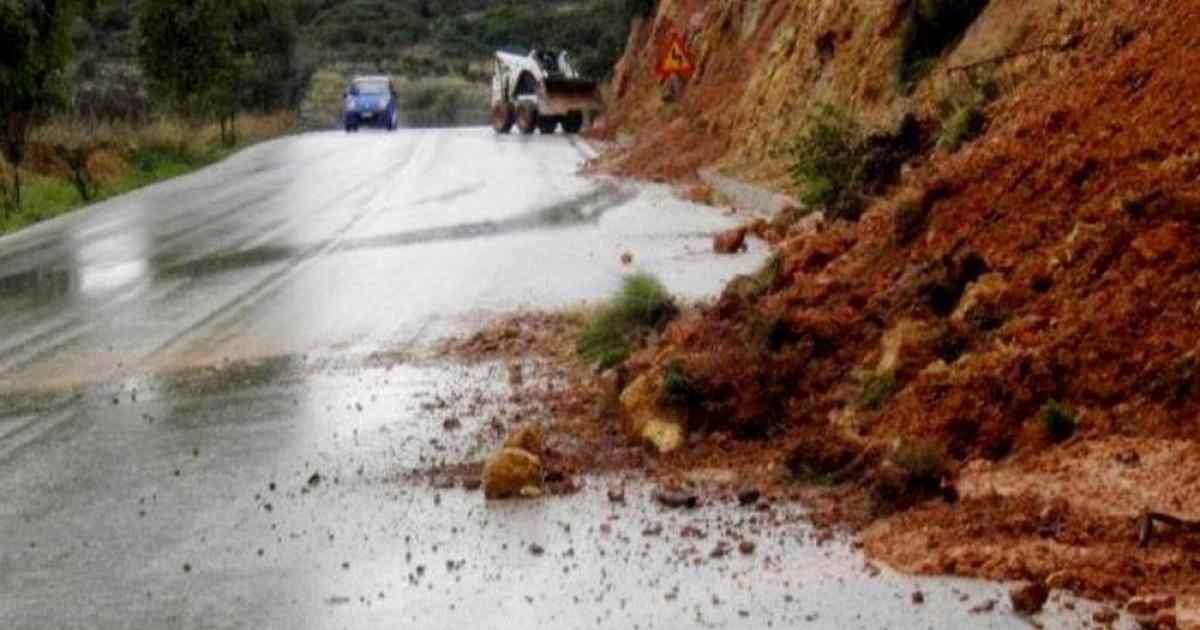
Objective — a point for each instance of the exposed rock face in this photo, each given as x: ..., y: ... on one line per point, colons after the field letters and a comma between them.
x: 763, y: 63
x: 647, y: 420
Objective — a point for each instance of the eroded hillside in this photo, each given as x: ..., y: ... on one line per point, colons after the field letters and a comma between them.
x: 1002, y: 351
x: 763, y: 64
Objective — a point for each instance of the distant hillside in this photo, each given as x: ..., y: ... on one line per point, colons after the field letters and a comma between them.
x: 441, y: 38
x: 432, y: 45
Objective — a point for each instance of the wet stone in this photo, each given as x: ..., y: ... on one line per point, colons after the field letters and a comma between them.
x: 730, y: 242
x: 986, y: 606
x: 510, y: 473
x: 1028, y: 598
x: 749, y: 496
x: 674, y: 499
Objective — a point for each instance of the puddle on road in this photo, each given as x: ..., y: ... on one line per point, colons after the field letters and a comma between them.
x: 38, y: 284
x: 227, y: 262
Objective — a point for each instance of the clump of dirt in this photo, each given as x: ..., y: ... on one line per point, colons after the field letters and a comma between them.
x: 549, y: 388
x: 1050, y: 264
x: 549, y: 336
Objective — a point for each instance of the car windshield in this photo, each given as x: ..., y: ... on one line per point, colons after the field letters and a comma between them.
x: 370, y: 86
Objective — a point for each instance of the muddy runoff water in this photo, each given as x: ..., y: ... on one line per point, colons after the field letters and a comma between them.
x: 289, y: 493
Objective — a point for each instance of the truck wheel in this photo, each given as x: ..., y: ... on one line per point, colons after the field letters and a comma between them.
x: 547, y: 125
x: 527, y: 118
x: 573, y: 123
x: 502, y: 117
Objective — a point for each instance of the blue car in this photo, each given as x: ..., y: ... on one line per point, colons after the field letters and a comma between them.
x: 369, y: 102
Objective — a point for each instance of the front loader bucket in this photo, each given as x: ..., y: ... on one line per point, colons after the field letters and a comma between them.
x: 567, y: 95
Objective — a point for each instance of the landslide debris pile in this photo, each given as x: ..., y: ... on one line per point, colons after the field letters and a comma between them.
x: 1038, y: 286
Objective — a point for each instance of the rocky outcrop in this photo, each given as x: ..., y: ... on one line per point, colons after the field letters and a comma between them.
x: 764, y: 64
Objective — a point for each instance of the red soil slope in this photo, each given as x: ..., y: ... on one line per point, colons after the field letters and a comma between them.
x: 1054, y: 259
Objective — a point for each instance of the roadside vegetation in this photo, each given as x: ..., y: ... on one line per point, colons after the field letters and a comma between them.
x: 962, y: 111
x: 1057, y: 420
x: 102, y: 97
x: 641, y: 308
x: 91, y: 86
x: 838, y: 167
x: 70, y: 165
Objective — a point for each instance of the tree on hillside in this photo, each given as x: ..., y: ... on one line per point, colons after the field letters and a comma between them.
x: 266, y: 35
x: 217, y: 57
x: 186, y: 50
x: 34, y: 48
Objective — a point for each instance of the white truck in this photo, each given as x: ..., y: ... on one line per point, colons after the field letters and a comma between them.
x: 540, y: 91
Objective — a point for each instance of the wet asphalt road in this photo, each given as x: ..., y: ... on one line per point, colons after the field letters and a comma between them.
x: 196, y: 430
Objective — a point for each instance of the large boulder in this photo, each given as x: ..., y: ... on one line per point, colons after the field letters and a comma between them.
x: 512, y: 472
x: 646, y: 419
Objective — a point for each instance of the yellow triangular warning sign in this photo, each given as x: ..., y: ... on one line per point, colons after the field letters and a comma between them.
x: 675, y: 59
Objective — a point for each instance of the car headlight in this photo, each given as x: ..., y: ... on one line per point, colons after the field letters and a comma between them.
x: 351, y: 103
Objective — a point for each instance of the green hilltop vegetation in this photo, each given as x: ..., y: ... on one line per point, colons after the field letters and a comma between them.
x: 432, y: 37
x: 437, y: 50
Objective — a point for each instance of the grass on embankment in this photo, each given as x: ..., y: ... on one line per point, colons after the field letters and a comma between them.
x: 67, y: 162
x: 640, y: 308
